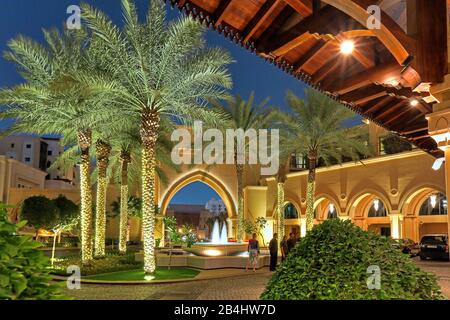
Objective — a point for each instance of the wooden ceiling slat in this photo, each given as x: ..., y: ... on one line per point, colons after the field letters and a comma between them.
x: 326, y: 69
x: 304, y: 7
x: 261, y: 16
x: 312, y: 24
x: 298, y: 65
x: 219, y: 13
x: 398, y: 115
x: 378, y: 105
x: 389, y: 109
x: 311, y: 54
x: 364, y: 95
x: 377, y: 74
x: 292, y: 44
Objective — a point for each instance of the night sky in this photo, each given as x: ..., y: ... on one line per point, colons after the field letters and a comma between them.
x: 250, y: 73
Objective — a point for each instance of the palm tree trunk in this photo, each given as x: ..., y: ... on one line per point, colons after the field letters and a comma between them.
x: 103, y: 150
x: 280, y: 211
x: 149, y: 136
x: 125, y: 159
x: 240, y: 195
x: 310, y: 190
x: 84, y: 142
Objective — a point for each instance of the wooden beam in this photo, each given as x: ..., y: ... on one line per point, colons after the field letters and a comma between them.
x: 431, y: 60
x: 389, y: 110
x: 397, y: 116
x: 219, y: 13
x: 304, y: 7
x: 364, y: 95
x: 390, y: 33
x: 261, y: 16
x: 417, y: 129
x: 292, y: 44
x: 326, y: 69
x: 378, y: 105
x: 378, y: 74
x: 313, y: 24
x: 298, y: 65
x: 311, y: 54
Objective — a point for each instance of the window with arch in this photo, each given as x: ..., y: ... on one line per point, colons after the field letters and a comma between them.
x: 435, y: 204
x: 377, y: 209
x: 290, y: 212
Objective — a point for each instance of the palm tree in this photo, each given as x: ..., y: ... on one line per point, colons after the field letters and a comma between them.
x: 56, y: 99
x: 103, y: 151
x: 315, y: 129
x: 160, y: 72
x: 243, y: 115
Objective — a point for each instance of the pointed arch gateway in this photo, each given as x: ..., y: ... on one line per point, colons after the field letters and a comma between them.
x: 199, y: 176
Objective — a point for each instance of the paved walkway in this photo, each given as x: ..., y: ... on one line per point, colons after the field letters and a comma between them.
x: 238, y: 285
x: 441, y: 269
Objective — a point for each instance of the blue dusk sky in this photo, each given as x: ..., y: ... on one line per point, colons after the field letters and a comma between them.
x: 250, y: 73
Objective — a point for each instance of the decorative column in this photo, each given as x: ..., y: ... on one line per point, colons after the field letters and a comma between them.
x: 229, y: 223
x: 344, y: 218
x: 396, y: 232
x: 302, y: 227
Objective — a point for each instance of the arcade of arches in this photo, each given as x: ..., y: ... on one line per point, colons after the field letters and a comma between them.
x: 395, y: 195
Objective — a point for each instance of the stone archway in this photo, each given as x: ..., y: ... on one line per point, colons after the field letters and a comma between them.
x: 416, y: 225
x: 206, y: 178
x: 360, y: 206
x: 322, y: 205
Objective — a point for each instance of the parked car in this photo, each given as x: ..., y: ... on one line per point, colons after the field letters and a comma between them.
x: 434, y: 246
x: 408, y: 246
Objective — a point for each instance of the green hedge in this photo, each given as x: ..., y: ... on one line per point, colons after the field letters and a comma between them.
x: 23, y: 268
x: 112, y: 262
x: 331, y: 262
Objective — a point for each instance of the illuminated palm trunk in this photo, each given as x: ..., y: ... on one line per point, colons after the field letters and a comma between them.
x: 280, y: 206
x: 84, y: 142
x: 125, y: 159
x: 310, y: 190
x: 103, y: 150
x: 240, y: 194
x: 149, y: 135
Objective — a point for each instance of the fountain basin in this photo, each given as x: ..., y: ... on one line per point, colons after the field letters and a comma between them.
x: 216, y: 250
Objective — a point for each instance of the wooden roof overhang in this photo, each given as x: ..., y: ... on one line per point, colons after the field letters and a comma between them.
x: 387, y: 69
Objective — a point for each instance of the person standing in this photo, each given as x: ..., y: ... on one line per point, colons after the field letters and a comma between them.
x: 284, y: 248
x: 291, y: 242
x: 253, y: 252
x: 273, y: 249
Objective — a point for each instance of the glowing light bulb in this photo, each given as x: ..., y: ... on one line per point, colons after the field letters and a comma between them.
x: 376, y: 204
x: 347, y: 47
x: 433, y: 200
x: 414, y: 102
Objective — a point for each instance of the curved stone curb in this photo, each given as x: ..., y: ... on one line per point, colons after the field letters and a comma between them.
x: 150, y: 282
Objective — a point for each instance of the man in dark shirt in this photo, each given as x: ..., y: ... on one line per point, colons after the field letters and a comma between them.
x: 291, y: 242
x: 273, y: 248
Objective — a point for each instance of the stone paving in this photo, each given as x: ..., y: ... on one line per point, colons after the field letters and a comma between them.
x: 441, y: 269
x: 238, y: 285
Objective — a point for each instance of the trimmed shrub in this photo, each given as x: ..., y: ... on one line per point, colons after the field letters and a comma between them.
x: 40, y: 212
x: 392, y: 144
x: 332, y: 262
x: 23, y: 268
x: 112, y: 262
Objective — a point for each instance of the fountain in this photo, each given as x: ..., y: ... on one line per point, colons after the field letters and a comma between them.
x: 219, y: 245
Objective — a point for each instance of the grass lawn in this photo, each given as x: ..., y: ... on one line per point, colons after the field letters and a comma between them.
x: 138, y: 275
